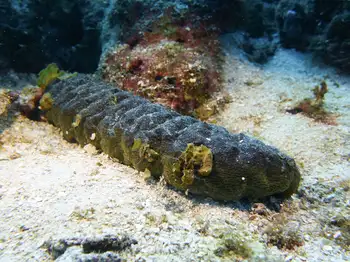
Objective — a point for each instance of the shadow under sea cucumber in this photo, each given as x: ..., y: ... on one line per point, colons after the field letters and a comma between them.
x: 192, y: 156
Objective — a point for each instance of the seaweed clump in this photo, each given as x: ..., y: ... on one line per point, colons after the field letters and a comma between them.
x: 194, y: 161
x: 31, y: 99
x: 314, y: 108
x: 284, y: 235
x: 282, y: 230
x: 48, y: 75
x: 234, y: 245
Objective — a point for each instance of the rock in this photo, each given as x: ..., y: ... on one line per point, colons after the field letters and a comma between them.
x: 100, y: 248
x: 259, y: 18
x: 90, y: 149
x: 75, y: 254
x: 257, y: 50
x: 76, y: 34
x: 5, y: 103
x: 327, y: 248
x: 260, y: 209
x: 106, y: 243
x: 336, y: 43
x: 295, y: 23
x: 35, y: 33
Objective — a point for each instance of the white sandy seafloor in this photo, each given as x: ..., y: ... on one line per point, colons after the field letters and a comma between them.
x: 51, y: 189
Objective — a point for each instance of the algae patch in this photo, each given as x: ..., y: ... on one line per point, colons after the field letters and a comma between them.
x: 48, y: 75
x: 46, y: 102
x: 314, y: 108
x: 195, y: 160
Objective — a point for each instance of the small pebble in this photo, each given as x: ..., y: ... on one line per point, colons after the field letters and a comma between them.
x: 327, y: 248
x: 337, y: 234
x: 329, y: 198
x: 90, y: 149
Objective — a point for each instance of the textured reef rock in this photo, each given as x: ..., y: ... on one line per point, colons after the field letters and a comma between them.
x: 134, y: 16
x: 254, y: 17
x: 295, y: 23
x: 334, y: 45
x: 318, y: 26
x: 169, y: 73
x: 254, y: 30
x: 176, y: 64
x: 192, y: 156
x: 74, y: 34
x: 35, y: 33
x: 257, y: 50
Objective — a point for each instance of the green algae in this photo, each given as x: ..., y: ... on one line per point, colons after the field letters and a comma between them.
x: 194, y: 161
x: 48, y: 75
x: 46, y: 102
x: 145, y: 158
x: 235, y: 245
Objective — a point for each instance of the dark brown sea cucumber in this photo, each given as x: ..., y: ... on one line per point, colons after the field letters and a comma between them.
x: 200, y: 158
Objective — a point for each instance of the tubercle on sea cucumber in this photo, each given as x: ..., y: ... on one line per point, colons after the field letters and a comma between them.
x: 193, y: 156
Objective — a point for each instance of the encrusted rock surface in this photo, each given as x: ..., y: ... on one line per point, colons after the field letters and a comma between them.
x: 74, y: 34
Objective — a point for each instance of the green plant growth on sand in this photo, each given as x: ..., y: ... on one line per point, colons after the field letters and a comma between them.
x: 234, y: 245
x: 283, y: 233
x: 82, y: 214
x: 314, y: 108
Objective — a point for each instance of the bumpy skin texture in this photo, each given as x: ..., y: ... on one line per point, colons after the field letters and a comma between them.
x: 90, y: 111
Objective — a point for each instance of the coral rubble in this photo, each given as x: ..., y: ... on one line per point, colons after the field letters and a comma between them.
x: 176, y: 64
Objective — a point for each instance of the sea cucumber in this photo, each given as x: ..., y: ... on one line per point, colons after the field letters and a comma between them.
x: 191, y: 155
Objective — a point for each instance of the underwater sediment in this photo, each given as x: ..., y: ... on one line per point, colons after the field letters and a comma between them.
x: 191, y: 155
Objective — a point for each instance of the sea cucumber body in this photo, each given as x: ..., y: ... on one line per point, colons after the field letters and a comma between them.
x: 149, y: 136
